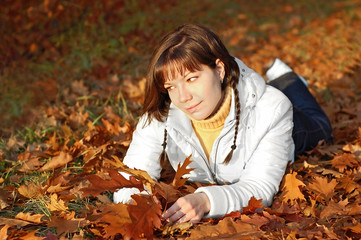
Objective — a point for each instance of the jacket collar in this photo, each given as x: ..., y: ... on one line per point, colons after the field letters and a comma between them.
x: 251, y: 87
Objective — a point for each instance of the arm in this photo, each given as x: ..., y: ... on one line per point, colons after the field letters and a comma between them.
x: 143, y: 154
x: 264, y: 169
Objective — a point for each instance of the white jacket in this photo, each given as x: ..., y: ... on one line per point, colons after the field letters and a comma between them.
x: 264, y: 147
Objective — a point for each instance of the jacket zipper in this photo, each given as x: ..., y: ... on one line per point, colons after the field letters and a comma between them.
x: 215, y: 158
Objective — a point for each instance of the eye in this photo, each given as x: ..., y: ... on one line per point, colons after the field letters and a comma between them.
x: 169, y: 88
x: 192, y: 79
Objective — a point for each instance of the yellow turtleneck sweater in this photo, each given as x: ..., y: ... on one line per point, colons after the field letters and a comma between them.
x: 209, y: 129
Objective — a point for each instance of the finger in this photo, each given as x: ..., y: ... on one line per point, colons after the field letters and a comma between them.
x: 172, y: 210
x: 177, y: 216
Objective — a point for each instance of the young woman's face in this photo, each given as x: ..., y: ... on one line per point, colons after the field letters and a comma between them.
x: 198, y: 94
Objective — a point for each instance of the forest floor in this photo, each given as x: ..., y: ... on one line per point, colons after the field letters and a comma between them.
x: 72, y: 82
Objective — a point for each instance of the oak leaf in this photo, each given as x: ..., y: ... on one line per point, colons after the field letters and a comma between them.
x: 31, y: 190
x: 291, y: 188
x: 115, y: 216
x: 33, y: 218
x: 116, y: 181
x: 56, y: 204
x: 321, y: 186
x: 145, y: 217
x: 58, y: 161
x: 225, y: 229
x: 178, y: 181
x: 4, y: 232
x: 253, y: 205
x: 333, y: 209
x: 355, y: 229
x: 3, y: 199
x: 67, y: 223
x: 341, y: 162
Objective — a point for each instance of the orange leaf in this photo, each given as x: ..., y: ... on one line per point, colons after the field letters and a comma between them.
x: 57, y: 161
x: 322, y: 186
x: 145, y: 217
x: 116, y: 181
x: 178, y: 181
x: 116, y: 216
x: 31, y: 190
x: 253, y: 205
x: 291, y: 188
x: 343, y: 161
x: 225, y: 229
x: 66, y: 223
x: 333, y: 209
x: 35, y: 218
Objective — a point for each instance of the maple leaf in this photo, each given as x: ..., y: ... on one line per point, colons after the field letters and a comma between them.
x: 323, y: 187
x: 145, y: 217
x: 117, y: 181
x: 253, y: 205
x: 58, y: 161
x: 291, y: 188
x: 178, y: 181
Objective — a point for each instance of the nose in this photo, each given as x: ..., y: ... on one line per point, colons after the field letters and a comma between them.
x: 184, y: 94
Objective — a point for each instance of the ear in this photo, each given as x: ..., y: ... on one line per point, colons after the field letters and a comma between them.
x: 220, y: 69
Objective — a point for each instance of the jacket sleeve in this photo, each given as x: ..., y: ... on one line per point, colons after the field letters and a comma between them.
x: 143, y: 153
x: 264, y: 170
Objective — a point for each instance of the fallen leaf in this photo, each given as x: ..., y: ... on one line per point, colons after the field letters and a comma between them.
x: 31, y: 190
x: 58, y: 161
x: 181, y: 171
x: 66, y: 223
x: 291, y: 188
x: 33, y: 218
x: 145, y: 217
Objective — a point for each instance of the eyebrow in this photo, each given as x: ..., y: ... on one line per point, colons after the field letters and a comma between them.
x: 184, y: 76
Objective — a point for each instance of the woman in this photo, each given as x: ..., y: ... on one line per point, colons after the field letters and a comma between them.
x: 203, y: 102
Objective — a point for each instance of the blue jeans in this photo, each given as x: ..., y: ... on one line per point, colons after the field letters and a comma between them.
x: 310, y: 122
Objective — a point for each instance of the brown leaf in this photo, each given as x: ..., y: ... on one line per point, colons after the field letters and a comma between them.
x: 3, y: 199
x: 33, y: 218
x: 355, y: 229
x: 31, y: 190
x: 31, y: 236
x: 333, y: 209
x: 66, y: 223
x: 145, y: 217
x: 115, y: 216
x: 225, y: 229
x: 58, y: 161
x: 116, y: 181
x: 322, y: 186
x: 343, y: 161
x: 182, y: 170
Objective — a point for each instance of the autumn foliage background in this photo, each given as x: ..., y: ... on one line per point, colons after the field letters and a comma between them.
x: 72, y: 81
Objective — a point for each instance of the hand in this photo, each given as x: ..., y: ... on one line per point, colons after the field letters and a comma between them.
x: 190, y: 208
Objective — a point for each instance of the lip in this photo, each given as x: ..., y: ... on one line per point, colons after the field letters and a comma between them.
x: 193, y: 108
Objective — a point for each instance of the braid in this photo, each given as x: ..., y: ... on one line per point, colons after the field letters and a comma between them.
x: 238, y: 115
x: 167, y: 171
x: 163, y: 158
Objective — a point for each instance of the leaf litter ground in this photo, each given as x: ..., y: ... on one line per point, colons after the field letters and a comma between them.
x: 57, y: 177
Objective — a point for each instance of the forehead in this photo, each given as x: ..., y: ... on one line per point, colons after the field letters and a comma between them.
x: 172, y: 71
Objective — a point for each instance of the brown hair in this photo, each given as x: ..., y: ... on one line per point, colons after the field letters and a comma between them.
x: 185, y: 48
